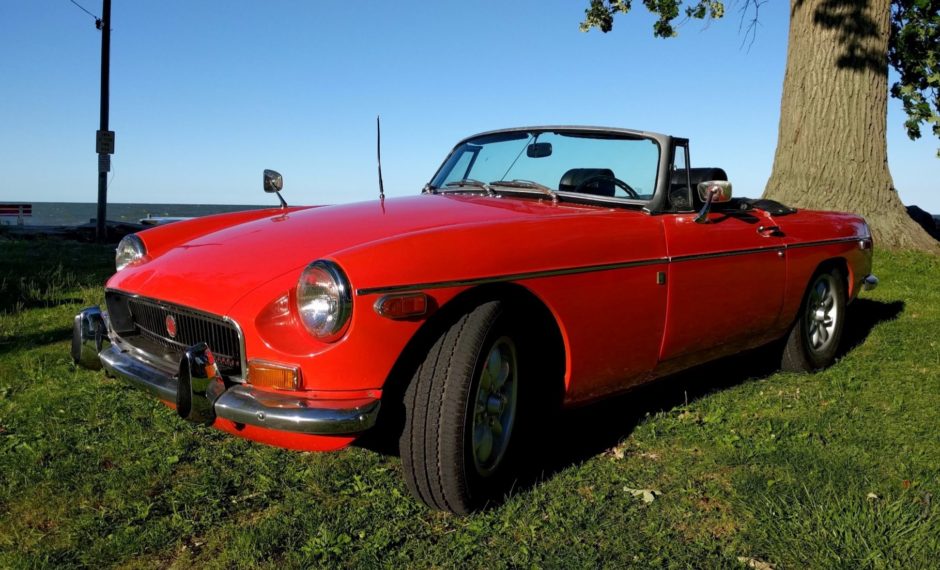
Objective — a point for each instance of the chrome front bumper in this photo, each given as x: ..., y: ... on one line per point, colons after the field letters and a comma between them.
x: 205, y: 395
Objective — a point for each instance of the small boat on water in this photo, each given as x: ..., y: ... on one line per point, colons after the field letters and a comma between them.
x: 161, y: 220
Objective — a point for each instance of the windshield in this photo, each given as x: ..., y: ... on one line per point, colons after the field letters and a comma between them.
x: 603, y: 164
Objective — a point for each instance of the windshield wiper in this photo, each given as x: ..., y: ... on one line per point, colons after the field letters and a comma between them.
x: 528, y: 184
x: 460, y: 184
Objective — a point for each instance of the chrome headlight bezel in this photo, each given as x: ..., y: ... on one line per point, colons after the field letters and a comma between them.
x: 130, y: 251
x: 324, y: 300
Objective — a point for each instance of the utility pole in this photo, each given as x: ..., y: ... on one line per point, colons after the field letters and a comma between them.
x: 104, y: 143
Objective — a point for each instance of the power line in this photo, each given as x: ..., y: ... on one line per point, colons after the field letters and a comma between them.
x: 97, y: 19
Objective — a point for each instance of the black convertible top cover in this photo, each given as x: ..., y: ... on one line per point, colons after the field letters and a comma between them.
x: 772, y: 207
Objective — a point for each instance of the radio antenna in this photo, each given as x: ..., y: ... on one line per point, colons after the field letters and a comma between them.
x: 378, y: 153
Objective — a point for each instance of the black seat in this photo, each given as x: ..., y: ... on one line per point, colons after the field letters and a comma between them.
x: 576, y: 176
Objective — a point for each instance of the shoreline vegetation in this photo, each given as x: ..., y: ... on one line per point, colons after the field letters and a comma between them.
x: 78, y: 213
x: 76, y: 220
x: 730, y: 465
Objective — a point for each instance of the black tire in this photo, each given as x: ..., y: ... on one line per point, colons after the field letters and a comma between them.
x: 813, y: 341
x: 443, y: 445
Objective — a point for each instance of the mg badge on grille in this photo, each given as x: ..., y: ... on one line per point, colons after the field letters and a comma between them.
x: 171, y: 326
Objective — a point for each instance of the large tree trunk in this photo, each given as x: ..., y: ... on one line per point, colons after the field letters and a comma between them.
x: 832, y: 151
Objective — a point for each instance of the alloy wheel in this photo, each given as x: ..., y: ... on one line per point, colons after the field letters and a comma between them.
x: 822, y: 313
x: 494, y: 407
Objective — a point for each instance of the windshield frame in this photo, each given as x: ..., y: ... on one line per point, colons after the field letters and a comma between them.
x: 651, y: 205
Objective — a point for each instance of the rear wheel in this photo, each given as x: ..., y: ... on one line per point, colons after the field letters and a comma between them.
x: 461, y: 411
x: 814, y: 339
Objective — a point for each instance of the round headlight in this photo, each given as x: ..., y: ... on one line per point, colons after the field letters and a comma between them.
x: 130, y: 250
x: 324, y: 300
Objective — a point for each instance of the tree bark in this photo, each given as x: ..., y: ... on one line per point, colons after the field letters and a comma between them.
x: 832, y: 147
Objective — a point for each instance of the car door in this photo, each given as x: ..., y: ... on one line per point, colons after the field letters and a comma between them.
x: 612, y: 306
x: 726, y: 280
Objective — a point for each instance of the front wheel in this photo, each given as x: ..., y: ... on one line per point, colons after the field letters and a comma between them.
x: 461, y: 411
x: 814, y: 339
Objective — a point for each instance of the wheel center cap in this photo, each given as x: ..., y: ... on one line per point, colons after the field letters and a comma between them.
x: 495, y: 405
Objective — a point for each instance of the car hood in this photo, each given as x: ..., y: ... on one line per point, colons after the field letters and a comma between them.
x: 214, y: 270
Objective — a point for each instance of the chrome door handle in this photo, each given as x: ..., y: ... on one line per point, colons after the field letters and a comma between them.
x: 768, y: 231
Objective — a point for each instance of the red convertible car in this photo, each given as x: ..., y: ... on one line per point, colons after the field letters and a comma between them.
x: 540, y: 267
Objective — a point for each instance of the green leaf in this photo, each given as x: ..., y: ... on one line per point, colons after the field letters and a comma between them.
x: 647, y: 495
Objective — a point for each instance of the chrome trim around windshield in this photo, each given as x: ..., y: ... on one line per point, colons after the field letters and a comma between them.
x: 652, y: 205
x: 594, y: 198
x: 575, y: 197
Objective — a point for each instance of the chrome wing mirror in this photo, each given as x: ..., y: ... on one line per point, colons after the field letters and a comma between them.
x: 712, y: 192
x: 274, y: 182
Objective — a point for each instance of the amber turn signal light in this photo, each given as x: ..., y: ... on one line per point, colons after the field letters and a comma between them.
x: 402, y: 306
x: 273, y: 375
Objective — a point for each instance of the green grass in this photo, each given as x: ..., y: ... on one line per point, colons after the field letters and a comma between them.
x: 839, y: 469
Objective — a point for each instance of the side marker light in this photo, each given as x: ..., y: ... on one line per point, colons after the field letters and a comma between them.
x: 402, y: 306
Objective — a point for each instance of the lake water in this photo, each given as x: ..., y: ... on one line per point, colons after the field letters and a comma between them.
x: 77, y: 213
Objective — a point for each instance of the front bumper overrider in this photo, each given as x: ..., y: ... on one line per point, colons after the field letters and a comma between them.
x: 201, y: 394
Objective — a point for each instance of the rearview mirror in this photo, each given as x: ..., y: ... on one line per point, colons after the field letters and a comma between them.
x: 720, y: 191
x: 712, y: 192
x: 273, y: 182
x: 539, y: 150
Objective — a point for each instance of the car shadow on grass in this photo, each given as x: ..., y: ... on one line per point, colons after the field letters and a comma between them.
x: 10, y: 344
x: 580, y: 434
x: 583, y: 433
x: 861, y: 318
x: 16, y: 303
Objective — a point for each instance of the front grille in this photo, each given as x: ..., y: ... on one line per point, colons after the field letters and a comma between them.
x: 149, y: 320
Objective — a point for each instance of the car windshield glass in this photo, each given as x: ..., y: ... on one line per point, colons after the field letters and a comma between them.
x: 588, y: 163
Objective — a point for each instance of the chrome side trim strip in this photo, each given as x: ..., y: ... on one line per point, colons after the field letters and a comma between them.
x: 510, y: 277
x: 590, y: 268
x: 698, y: 256
x: 825, y: 242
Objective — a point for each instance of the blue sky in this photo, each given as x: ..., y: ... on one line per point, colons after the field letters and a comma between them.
x: 205, y: 95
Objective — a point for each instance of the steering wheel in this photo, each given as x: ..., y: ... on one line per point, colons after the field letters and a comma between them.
x: 617, y: 182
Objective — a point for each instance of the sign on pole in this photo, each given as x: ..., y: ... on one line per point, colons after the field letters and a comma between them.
x: 104, y: 142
